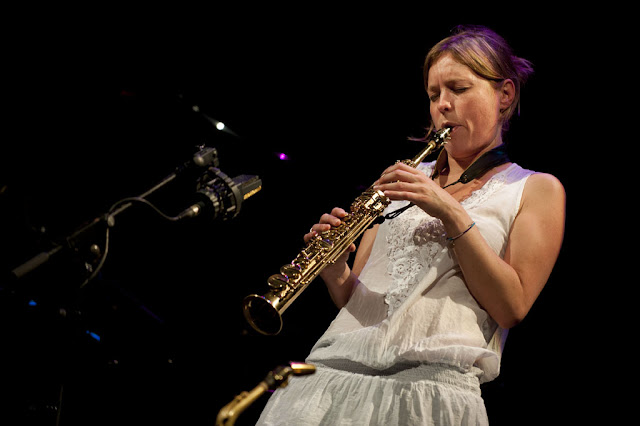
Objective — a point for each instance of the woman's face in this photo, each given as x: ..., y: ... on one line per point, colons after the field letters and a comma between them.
x: 466, y: 102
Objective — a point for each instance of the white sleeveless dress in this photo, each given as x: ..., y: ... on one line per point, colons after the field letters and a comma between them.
x: 412, y: 345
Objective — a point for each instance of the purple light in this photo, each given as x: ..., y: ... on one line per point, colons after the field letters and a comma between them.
x: 282, y: 156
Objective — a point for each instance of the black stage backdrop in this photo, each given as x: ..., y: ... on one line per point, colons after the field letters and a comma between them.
x: 99, y: 109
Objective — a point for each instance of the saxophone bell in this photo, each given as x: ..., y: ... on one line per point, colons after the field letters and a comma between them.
x: 262, y: 314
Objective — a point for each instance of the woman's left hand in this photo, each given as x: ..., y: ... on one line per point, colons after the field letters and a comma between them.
x: 403, y: 182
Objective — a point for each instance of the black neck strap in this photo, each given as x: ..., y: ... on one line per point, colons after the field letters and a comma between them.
x: 487, y: 161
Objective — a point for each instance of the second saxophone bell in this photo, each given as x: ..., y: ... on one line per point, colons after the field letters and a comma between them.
x: 264, y: 313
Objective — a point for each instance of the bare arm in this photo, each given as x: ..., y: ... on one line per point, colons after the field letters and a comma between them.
x: 507, y: 288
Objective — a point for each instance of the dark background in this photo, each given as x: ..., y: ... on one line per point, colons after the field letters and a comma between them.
x: 100, y: 108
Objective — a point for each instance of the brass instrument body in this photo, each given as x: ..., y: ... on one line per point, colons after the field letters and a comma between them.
x: 264, y: 312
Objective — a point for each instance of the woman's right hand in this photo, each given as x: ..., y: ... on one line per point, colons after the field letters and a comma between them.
x: 340, y: 279
x: 327, y: 221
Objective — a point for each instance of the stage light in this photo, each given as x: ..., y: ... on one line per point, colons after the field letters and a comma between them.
x: 282, y: 156
x: 220, y: 125
x: 93, y: 335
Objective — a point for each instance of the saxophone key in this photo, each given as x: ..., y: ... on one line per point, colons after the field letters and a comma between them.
x: 277, y: 281
x: 345, y: 220
x: 304, y: 257
x: 323, y: 239
x: 302, y: 263
x: 291, y: 271
x: 333, y: 234
x: 325, y: 243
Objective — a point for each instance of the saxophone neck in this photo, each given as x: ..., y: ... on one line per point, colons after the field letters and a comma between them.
x: 422, y: 154
x: 435, y: 141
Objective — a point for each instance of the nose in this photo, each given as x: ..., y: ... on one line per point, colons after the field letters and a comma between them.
x: 444, y: 103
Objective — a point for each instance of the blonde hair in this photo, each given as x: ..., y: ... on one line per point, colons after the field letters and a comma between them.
x: 488, y: 55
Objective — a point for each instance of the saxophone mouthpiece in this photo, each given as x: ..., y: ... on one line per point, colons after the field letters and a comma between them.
x: 445, y: 133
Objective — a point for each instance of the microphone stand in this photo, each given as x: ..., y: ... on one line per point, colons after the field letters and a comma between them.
x: 204, y: 157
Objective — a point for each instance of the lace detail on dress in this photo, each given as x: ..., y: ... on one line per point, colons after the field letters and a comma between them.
x: 413, y: 244
x: 478, y: 197
x: 416, y: 238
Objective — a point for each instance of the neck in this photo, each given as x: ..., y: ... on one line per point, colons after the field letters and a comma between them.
x: 457, y: 164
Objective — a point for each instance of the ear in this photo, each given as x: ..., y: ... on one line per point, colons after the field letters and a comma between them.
x: 507, y: 93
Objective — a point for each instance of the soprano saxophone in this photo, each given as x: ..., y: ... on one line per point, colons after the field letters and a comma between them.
x: 264, y: 313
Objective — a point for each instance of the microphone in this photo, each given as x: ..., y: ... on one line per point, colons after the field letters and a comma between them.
x: 220, y: 196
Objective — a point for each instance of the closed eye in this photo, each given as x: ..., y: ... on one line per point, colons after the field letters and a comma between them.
x: 458, y: 90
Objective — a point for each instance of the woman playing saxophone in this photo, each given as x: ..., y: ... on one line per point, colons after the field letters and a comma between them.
x: 426, y: 307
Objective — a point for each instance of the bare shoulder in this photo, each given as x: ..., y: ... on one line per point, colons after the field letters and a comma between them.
x: 543, y: 199
x: 543, y: 187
